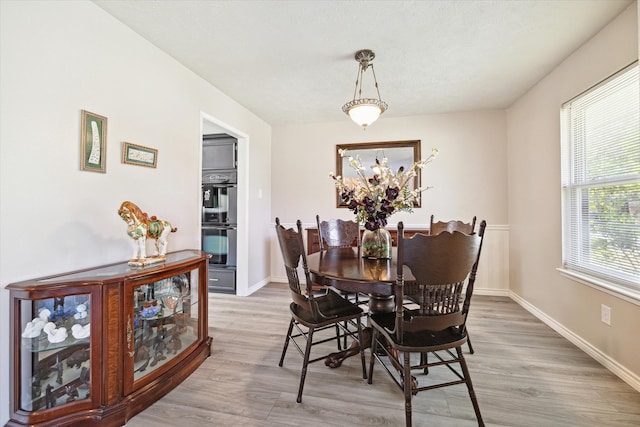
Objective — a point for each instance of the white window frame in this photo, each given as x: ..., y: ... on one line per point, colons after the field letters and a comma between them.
x: 576, y: 232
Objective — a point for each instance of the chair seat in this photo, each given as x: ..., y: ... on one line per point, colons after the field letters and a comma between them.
x: 416, y: 342
x: 332, y: 306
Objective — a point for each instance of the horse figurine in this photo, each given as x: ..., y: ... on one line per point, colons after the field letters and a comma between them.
x: 139, y: 227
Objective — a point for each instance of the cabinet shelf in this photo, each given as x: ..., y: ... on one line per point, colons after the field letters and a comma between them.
x: 97, y: 346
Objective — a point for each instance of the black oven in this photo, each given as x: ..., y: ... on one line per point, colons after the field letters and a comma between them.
x: 220, y: 242
x: 219, y: 152
x: 219, y: 204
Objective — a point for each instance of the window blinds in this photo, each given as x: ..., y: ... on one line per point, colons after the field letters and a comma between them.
x: 601, y: 179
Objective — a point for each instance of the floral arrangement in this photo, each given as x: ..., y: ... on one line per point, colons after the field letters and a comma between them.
x: 373, y: 199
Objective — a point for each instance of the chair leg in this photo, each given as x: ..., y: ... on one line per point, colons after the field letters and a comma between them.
x: 374, y: 348
x: 472, y: 394
x: 469, y: 344
x: 424, y: 359
x: 407, y: 387
x: 346, y: 327
x: 361, y: 344
x: 286, y: 342
x: 305, y: 363
x: 338, y: 339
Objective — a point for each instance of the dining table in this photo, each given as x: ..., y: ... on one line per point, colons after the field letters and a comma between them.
x: 346, y: 270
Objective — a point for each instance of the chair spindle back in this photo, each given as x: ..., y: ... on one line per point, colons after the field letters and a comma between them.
x: 338, y: 233
x: 440, y: 264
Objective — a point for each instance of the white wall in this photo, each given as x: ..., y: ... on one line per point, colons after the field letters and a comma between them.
x: 57, y: 58
x: 469, y: 177
x: 534, y: 206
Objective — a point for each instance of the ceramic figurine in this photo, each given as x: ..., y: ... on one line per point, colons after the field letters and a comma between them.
x: 50, y: 398
x: 81, y: 312
x: 54, y: 334
x: 32, y: 329
x: 159, y: 356
x: 78, y: 357
x: 58, y: 304
x: 79, y: 331
x: 59, y: 370
x: 85, y: 378
x: 72, y: 392
x: 139, y: 227
x: 174, y: 344
x: 144, y: 366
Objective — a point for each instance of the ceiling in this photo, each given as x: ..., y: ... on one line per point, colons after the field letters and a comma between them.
x: 292, y: 62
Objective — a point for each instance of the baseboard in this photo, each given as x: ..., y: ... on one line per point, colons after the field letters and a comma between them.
x: 257, y: 286
x: 619, y: 370
x: 491, y: 292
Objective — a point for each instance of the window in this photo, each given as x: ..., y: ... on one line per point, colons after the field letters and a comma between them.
x: 601, y: 180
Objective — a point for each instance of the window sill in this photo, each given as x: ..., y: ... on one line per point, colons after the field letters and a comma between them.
x: 618, y: 291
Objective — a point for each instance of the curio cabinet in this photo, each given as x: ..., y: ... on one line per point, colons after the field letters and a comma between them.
x: 97, y: 346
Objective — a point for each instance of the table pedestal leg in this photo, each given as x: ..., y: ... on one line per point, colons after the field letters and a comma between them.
x: 381, y: 303
x: 334, y: 360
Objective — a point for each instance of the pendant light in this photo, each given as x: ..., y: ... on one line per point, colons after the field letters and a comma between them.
x: 364, y: 111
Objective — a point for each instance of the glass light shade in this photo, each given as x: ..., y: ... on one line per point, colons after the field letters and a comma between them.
x: 364, y: 111
x: 364, y: 115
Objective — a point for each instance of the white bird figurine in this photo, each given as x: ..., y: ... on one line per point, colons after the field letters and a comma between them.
x: 34, y: 328
x: 79, y: 331
x: 54, y: 334
x: 44, y: 314
x: 81, y: 311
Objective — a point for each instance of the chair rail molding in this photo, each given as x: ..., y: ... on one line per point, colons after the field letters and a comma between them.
x: 493, y: 273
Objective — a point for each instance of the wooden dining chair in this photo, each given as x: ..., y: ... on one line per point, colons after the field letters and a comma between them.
x: 311, y: 314
x: 338, y: 233
x: 436, y: 324
x: 451, y: 226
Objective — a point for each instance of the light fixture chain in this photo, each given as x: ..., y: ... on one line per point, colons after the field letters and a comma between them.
x: 376, y: 82
x: 360, y: 72
x: 358, y: 79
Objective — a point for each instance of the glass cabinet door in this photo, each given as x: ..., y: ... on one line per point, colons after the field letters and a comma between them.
x: 162, y: 322
x: 54, y: 351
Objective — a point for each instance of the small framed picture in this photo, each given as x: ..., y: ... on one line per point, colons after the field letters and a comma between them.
x: 133, y: 154
x: 93, y: 142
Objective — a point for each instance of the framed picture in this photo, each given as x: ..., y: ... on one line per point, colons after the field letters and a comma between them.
x: 398, y: 153
x: 133, y: 154
x: 93, y: 142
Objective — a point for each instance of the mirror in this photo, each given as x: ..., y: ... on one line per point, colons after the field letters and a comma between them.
x: 398, y: 153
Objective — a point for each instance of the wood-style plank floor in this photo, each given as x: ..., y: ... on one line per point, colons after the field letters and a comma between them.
x: 524, y: 374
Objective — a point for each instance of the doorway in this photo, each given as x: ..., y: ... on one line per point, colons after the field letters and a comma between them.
x: 210, y: 125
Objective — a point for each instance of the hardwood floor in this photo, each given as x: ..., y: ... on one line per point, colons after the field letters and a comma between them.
x: 523, y: 372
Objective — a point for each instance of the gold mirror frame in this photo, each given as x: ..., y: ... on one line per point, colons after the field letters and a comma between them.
x: 398, y: 153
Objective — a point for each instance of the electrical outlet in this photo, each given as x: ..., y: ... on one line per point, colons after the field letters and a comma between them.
x: 605, y: 314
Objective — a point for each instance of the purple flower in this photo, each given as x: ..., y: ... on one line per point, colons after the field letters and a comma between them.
x: 392, y: 193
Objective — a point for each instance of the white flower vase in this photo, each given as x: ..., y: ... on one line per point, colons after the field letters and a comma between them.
x: 376, y: 244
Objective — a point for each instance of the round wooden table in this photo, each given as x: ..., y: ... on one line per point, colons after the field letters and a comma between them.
x: 346, y: 270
